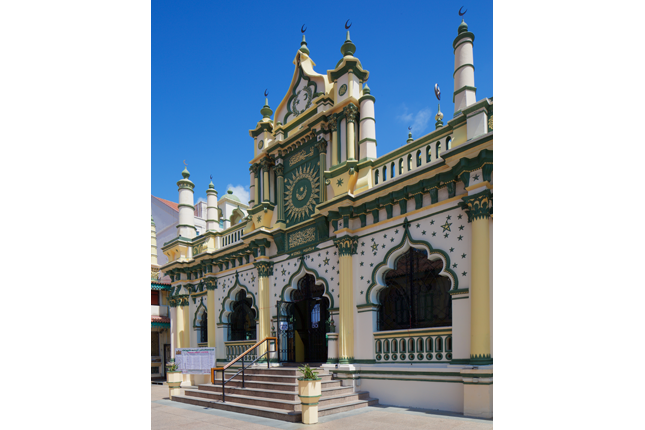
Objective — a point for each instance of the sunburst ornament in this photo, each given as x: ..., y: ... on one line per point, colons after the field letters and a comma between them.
x: 303, y: 185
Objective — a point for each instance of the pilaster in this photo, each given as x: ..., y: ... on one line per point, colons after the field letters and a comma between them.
x: 347, y: 247
x: 322, y: 150
x: 279, y: 169
x: 265, y: 269
x: 477, y: 206
x: 211, y: 310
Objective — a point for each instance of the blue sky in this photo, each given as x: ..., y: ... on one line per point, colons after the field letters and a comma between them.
x: 211, y: 62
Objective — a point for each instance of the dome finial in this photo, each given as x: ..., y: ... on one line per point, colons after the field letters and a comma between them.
x: 409, y: 135
x: 185, y: 173
x: 266, y: 110
x: 463, y: 27
x: 438, y: 117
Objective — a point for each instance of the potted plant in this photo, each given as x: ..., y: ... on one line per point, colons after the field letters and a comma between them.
x: 174, y: 378
x: 309, y: 392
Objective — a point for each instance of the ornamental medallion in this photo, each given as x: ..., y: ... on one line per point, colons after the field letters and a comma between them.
x: 342, y: 90
x: 302, y: 192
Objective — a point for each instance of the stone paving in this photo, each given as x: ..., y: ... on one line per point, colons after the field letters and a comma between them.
x: 173, y: 415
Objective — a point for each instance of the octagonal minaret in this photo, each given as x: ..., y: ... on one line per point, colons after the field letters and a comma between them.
x: 186, y: 226
x: 464, y: 75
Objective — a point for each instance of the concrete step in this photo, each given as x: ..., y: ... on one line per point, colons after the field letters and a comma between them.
x: 274, y: 413
x: 290, y: 405
x: 285, y: 371
x: 279, y: 386
x: 282, y: 395
x: 268, y: 377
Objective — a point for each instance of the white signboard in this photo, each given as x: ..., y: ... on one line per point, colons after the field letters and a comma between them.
x: 195, y: 360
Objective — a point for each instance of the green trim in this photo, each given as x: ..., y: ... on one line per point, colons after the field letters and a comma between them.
x: 460, y: 361
x: 363, y: 361
x: 201, y: 305
x: 346, y: 360
x: 353, y: 65
x: 309, y: 397
x: 366, y: 97
x: 460, y: 298
x: 406, y: 379
x: 459, y: 291
x: 462, y: 89
x: 463, y: 65
x: 366, y: 118
x: 461, y: 36
x: 478, y: 383
x: 160, y: 324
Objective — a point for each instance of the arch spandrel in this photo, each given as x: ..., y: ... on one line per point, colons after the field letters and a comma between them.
x: 229, y: 300
x: 302, y: 270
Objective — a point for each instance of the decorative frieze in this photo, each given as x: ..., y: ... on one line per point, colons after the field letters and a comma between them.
x: 302, y: 237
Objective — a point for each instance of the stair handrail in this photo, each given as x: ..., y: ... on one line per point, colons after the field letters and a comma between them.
x: 241, y: 356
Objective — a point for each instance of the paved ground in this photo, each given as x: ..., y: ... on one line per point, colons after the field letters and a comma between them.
x: 174, y: 415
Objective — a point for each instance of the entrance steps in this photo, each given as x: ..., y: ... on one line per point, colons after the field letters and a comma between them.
x: 273, y: 393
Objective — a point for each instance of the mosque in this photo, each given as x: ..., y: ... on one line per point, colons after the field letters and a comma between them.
x: 378, y: 269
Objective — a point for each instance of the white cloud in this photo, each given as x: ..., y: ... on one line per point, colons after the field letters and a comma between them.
x: 418, y: 121
x: 201, y: 199
x: 242, y: 192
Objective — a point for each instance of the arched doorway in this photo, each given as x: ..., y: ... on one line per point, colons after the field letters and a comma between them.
x: 242, y: 319
x: 302, y: 323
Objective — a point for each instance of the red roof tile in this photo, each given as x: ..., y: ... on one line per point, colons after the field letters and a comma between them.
x: 172, y: 205
x: 155, y: 318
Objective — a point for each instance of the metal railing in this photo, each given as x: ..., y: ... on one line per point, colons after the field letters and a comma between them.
x: 241, y: 357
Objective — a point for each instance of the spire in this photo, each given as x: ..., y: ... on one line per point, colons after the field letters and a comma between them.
x: 211, y: 186
x: 348, y: 47
x: 303, y: 46
x: 438, y: 117
x: 409, y: 136
x: 185, y: 173
x: 366, y: 89
x: 266, y: 110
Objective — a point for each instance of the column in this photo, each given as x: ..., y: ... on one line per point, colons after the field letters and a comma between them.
x: 183, y: 324
x: 477, y: 206
x: 173, y: 327
x: 347, y: 246
x: 279, y: 170
x: 256, y: 184
x: 265, y: 269
x: 265, y: 180
x: 322, y: 150
x: 333, y: 126
x: 350, y: 114
x: 211, y: 284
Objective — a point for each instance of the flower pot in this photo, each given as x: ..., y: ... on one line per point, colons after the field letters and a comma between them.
x: 174, y: 378
x: 309, y: 393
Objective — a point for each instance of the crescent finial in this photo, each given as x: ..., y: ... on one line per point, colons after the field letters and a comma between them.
x: 437, y: 91
x: 462, y: 13
x: 185, y: 163
x: 266, y: 93
x: 303, y: 29
x: 410, y: 128
x: 347, y: 26
x: 211, y: 177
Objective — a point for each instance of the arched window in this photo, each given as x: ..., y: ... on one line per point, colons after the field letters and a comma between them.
x: 400, y: 166
x: 410, y: 345
x: 384, y: 173
x: 242, y: 319
x: 409, y: 162
x: 438, y: 149
x: 203, y: 328
x: 393, y: 169
x: 419, y: 158
x: 416, y: 296
x: 402, y: 345
x: 448, y: 143
x: 376, y: 177
x: 378, y: 346
x: 428, y: 153
x: 419, y: 345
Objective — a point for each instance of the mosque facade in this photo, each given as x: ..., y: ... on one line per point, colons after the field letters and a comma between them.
x: 379, y: 268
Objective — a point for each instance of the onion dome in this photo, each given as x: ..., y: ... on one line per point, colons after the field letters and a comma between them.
x: 463, y: 27
x: 266, y: 110
x: 303, y: 46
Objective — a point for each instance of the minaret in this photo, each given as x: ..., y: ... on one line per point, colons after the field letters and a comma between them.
x: 153, y: 242
x: 186, y: 226
x: 464, y: 75
x: 367, y: 143
x: 438, y: 117
x: 212, y: 222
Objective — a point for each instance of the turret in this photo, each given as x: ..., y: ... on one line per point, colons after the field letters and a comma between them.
x: 186, y: 226
x: 367, y: 143
x: 212, y: 222
x: 464, y: 75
